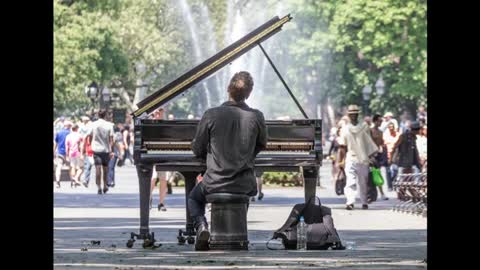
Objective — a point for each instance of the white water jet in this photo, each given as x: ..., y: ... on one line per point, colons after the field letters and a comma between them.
x: 187, y: 14
x: 212, y: 49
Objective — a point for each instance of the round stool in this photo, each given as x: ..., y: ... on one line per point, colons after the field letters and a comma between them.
x: 228, y: 221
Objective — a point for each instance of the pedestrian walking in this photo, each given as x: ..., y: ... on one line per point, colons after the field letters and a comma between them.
x: 74, y: 144
x: 356, y: 152
x: 101, y: 136
x: 405, y: 153
x: 59, y: 150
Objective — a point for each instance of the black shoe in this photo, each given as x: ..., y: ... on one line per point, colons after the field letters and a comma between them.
x: 338, y: 246
x: 365, y: 206
x: 161, y: 207
x: 260, y: 196
x: 252, y: 198
x: 349, y: 206
x: 202, y: 238
x: 99, y: 192
x: 169, y: 188
x: 57, y: 184
x: 85, y: 184
x: 105, y: 190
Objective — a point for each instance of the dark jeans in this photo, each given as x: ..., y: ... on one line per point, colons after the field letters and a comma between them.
x: 197, y: 200
x: 127, y: 155
x: 389, y: 177
x: 87, y: 168
x: 111, y: 170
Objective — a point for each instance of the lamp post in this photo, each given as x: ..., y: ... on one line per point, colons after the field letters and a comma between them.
x: 106, y: 97
x: 380, y: 86
x: 366, y: 91
x: 92, y: 93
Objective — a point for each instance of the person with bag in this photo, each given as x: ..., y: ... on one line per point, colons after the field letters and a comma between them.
x: 381, y: 156
x: 332, y: 153
x: 405, y: 154
x: 321, y: 232
x: 356, y: 152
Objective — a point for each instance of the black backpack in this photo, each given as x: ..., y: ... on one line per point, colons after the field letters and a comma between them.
x: 321, y: 233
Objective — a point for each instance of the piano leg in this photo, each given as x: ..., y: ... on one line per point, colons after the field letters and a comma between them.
x: 144, y: 172
x: 189, y: 233
x: 310, y: 175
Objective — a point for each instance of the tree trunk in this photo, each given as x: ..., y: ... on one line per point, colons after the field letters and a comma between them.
x: 140, y: 94
x: 126, y: 98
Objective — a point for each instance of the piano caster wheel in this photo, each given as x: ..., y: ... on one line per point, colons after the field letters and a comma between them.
x: 147, y: 243
x: 181, y: 239
x: 130, y: 243
x: 191, y: 240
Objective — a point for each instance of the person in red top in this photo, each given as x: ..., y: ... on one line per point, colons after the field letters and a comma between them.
x: 88, y: 160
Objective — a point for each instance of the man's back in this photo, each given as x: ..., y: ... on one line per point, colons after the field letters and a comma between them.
x: 229, y: 137
x: 101, y: 131
x: 73, y: 141
x: 60, y: 139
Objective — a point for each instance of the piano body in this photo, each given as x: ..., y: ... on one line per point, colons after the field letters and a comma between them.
x: 293, y: 145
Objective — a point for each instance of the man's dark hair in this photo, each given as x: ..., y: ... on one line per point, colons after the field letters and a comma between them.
x: 240, y: 86
x: 75, y: 127
x: 102, y: 113
x: 376, y: 117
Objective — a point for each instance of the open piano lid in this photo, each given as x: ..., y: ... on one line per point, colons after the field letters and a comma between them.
x: 210, y: 66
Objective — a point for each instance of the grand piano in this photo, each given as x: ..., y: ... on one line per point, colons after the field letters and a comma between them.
x: 293, y: 145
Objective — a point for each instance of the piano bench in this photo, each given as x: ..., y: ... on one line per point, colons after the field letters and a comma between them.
x: 228, y: 221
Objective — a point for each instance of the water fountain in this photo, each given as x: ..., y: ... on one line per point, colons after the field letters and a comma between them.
x: 187, y: 14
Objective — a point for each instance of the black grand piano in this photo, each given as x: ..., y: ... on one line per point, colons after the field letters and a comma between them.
x: 293, y: 145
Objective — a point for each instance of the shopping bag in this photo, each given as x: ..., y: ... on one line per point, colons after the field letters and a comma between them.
x: 377, y: 177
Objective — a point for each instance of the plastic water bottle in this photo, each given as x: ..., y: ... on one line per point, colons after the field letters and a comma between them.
x: 302, y: 235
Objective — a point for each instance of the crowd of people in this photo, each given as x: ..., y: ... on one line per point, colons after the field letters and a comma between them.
x: 391, y: 146
x: 83, y: 143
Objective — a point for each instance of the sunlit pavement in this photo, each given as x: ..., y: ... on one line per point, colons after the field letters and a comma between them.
x: 383, y: 239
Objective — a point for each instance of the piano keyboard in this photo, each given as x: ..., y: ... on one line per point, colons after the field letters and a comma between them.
x: 190, y: 152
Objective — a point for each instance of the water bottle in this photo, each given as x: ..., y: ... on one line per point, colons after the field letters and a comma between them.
x: 302, y: 235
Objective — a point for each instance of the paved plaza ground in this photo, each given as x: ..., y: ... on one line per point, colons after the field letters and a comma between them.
x: 383, y: 239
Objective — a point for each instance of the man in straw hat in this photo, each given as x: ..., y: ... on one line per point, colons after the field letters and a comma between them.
x: 356, y: 151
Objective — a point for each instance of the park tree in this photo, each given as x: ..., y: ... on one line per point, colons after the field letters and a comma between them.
x: 85, y: 49
x: 350, y: 43
x: 132, y: 47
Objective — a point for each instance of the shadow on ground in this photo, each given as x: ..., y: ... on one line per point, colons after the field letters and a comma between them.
x: 375, y: 249
x: 131, y: 200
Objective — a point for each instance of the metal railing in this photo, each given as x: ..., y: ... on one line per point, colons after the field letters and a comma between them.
x: 411, y: 190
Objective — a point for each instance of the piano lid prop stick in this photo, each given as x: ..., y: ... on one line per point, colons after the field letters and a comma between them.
x: 284, y: 83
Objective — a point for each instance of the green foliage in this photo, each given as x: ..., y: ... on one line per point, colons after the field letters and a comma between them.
x: 85, y: 50
x: 284, y: 179
x: 356, y: 40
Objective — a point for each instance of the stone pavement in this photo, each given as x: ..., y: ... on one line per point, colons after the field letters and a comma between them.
x: 383, y: 239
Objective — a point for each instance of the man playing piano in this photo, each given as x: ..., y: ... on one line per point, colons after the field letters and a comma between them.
x: 229, y: 137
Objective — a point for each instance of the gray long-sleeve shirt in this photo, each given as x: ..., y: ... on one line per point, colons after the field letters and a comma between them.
x: 229, y: 137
